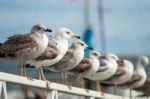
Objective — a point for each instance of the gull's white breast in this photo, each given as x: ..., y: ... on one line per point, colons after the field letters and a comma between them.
x: 62, y: 49
x: 128, y: 73
x: 95, y: 66
x: 140, y: 71
x: 112, y: 67
x: 42, y: 40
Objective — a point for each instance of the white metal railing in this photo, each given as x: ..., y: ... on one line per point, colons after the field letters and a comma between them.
x: 54, y: 87
x: 3, y: 91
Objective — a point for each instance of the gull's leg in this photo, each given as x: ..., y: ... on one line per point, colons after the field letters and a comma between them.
x: 115, y: 89
x: 130, y: 93
x: 42, y: 76
x: 83, y: 84
x: 39, y: 74
x: 21, y: 69
x: 62, y: 77
x: 65, y: 80
x: 98, y: 88
x: 42, y: 73
x: 24, y: 70
x: 78, y: 82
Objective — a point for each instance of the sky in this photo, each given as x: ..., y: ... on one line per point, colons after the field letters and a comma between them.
x: 126, y: 21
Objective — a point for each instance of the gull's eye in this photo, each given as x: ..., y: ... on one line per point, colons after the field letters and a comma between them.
x: 113, y: 57
x: 82, y: 44
x: 68, y: 32
x: 94, y: 54
x: 38, y: 27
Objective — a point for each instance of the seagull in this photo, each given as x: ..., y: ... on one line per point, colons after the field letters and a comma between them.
x: 107, y: 68
x: 139, y: 77
x: 57, y: 47
x: 22, y: 47
x: 123, y: 74
x: 25, y: 47
x: 88, y: 66
x: 71, y: 59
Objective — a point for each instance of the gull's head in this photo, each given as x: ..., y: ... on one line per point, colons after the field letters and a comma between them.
x: 112, y: 56
x: 79, y: 45
x: 94, y: 54
x: 39, y: 28
x: 67, y: 33
x: 121, y: 62
x: 144, y: 60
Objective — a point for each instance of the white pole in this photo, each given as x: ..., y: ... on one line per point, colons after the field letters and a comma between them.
x: 5, y: 90
x: 1, y: 87
x: 52, y: 95
x: 92, y: 98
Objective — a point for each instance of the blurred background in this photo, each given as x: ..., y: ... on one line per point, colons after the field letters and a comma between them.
x: 116, y: 26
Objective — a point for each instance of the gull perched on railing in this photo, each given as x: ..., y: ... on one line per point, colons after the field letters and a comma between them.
x: 88, y: 66
x: 107, y: 68
x: 139, y: 77
x: 123, y: 74
x: 25, y: 47
x: 71, y: 59
x: 57, y: 48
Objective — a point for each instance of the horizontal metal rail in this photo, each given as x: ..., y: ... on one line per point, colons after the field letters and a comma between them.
x: 5, y: 77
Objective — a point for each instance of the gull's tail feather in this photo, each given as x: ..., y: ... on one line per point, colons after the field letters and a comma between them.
x: 1, y: 44
x: 29, y: 66
x: 3, y: 54
x: 103, y: 83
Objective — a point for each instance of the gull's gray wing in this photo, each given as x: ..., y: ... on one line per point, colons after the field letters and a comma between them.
x: 119, y: 72
x: 18, y: 39
x: 103, y: 66
x: 66, y: 61
x: 136, y: 77
x: 51, y: 51
x: 52, y: 42
x: 84, y: 65
x: 16, y: 43
x: 102, y: 69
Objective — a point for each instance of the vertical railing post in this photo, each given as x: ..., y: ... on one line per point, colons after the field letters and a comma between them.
x: 1, y: 87
x: 52, y: 95
x: 91, y: 98
x: 3, y: 90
